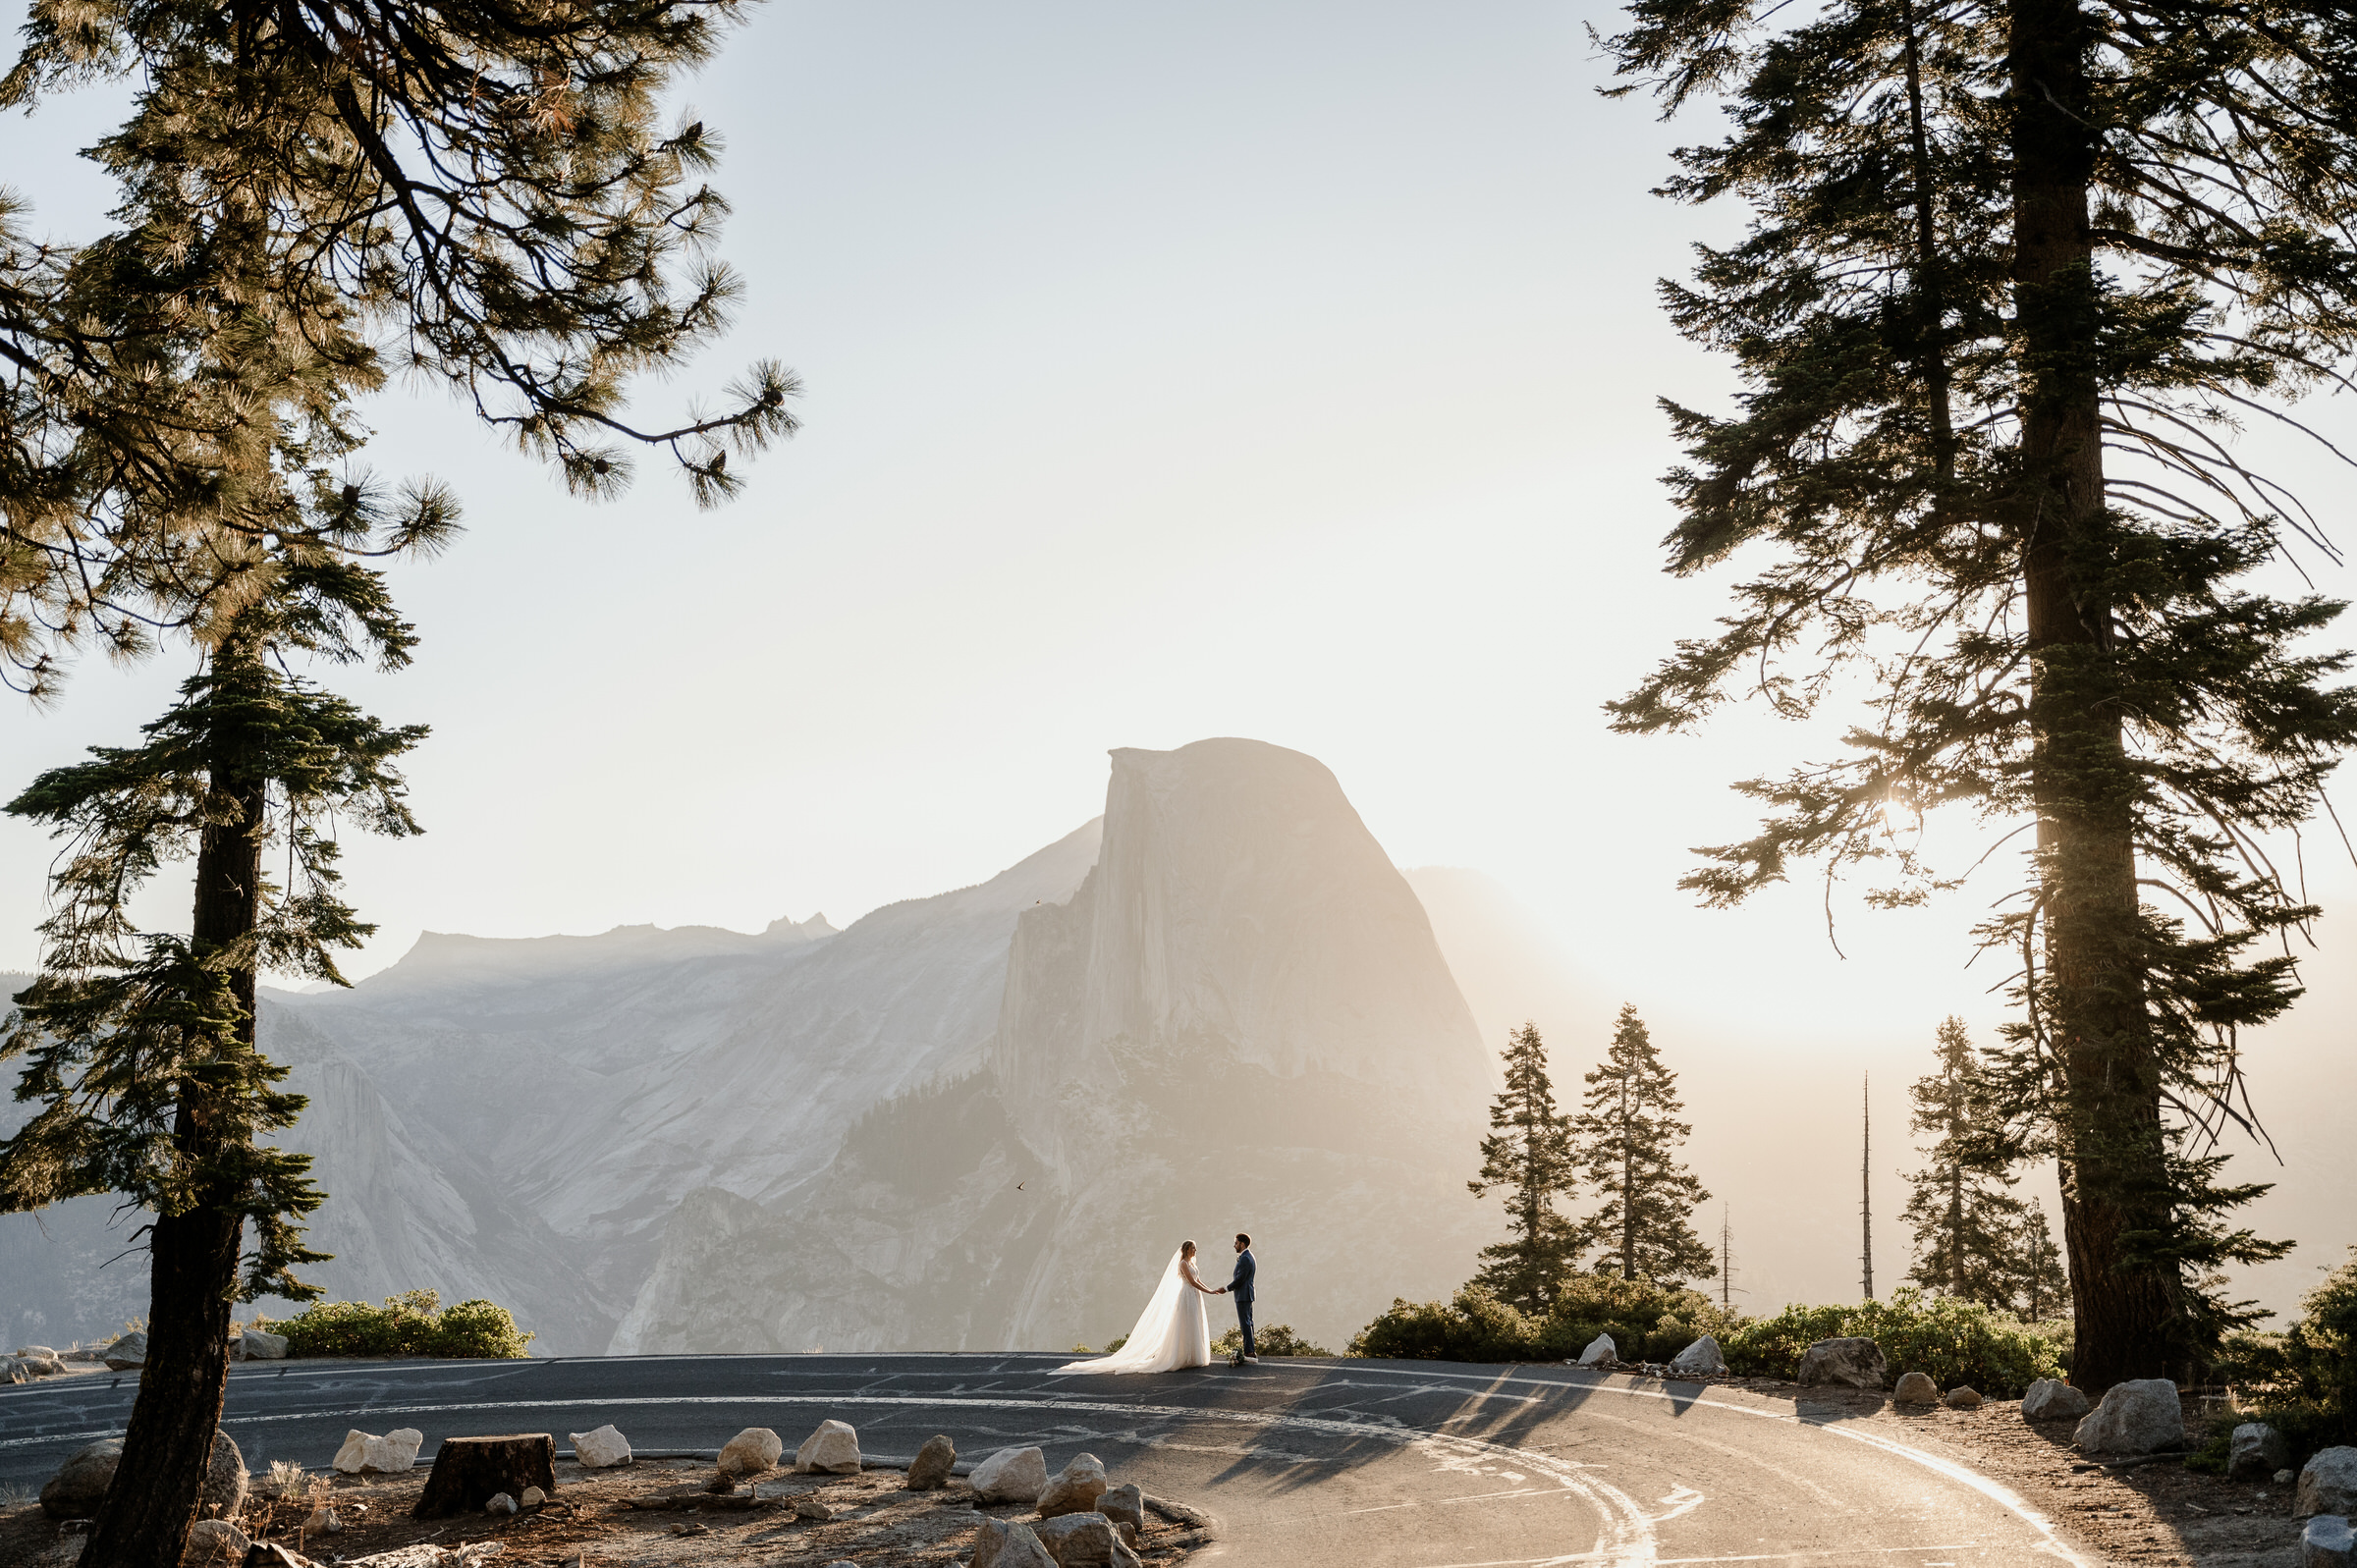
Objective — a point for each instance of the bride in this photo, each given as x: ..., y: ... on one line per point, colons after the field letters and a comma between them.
x: 1172, y: 1331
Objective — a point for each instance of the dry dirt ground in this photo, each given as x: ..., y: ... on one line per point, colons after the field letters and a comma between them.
x: 592, y: 1519
x: 2155, y: 1514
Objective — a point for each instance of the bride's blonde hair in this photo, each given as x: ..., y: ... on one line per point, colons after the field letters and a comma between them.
x: 1185, y: 1247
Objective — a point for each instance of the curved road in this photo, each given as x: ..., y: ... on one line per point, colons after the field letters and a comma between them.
x: 1306, y: 1464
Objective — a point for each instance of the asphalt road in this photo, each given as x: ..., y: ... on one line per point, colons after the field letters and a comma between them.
x: 1305, y: 1464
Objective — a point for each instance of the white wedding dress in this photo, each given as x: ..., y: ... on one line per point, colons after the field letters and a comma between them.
x: 1172, y: 1331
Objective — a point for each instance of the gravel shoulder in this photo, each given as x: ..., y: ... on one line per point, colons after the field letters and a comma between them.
x: 655, y: 1513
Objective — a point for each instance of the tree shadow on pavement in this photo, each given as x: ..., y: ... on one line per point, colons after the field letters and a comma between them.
x: 1307, y: 1437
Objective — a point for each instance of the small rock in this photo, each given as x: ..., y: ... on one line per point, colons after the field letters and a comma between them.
x: 595, y: 1450
x: 930, y: 1470
x: 1601, y: 1352
x: 691, y: 1529
x: 499, y: 1504
x: 226, y: 1483
x: 833, y: 1449
x: 2256, y: 1451
x: 1012, y: 1474
x: 14, y: 1370
x: 2138, y: 1417
x: 259, y: 1345
x: 1005, y: 1543
x: 2052, y: 1399
x: 533, y: 1497
x: 1074, y: 1490
x: 1701, y: 1358
x: 812, y: 1509
x: 215, y: 1541
x: 1123, y: 1506
x: 35, y: 1353
x: 1856, y: 1363
x: 392, y: 1454
x: 2327, y: 1542
x: 270, y: 1554
x: 2327, y: 1484
x: 81, y: 1483
x: 1916, y: 1389
x: 126, y: 1353
x: 756, y: 1449
x: 1963, y: 1398
x: 1081, y: 1540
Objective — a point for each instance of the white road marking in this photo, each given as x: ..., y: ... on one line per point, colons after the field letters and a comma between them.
x: 1624, y: 1537
x: 1628, y: 1533
x: 2051, y: 1545
x: 1670, y: 1562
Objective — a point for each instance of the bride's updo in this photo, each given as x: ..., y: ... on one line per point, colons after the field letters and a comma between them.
x: 1187, y: 1249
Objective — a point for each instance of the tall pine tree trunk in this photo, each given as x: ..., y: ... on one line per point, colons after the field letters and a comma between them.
x: 2111, y: 1132
x: 1628, y: 1187
x: 193, y: 1255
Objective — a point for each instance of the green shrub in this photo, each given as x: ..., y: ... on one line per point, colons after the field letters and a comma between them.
x: 1647, y: 1323
x: 412, y: 1324
x: 1952, y: 1340
x: 1278, y: 1339
x: 2303, y: 1381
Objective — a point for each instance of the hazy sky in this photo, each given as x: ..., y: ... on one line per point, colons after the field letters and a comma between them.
x: 1272, y: 370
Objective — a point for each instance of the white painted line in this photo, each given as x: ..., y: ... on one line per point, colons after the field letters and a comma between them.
x: 1764, y: 1556
x: 1628, y: 1534
x: 2051, y: 1545
x: 1624, y: 1531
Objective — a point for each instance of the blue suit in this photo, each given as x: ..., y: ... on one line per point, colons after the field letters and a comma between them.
x: 1240, y: 1287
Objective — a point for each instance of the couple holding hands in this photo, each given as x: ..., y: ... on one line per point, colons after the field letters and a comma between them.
x: 1174, y: 1330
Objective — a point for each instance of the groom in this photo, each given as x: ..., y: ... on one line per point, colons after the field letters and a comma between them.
x: 1240, y: 1287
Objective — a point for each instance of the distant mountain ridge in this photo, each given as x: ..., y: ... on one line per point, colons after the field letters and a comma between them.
x: 1239, y: 1021
x: 1218, y: 1005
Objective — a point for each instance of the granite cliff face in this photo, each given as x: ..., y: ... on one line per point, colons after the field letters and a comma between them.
x: 1239, y: 1021
x: 979, y: 1121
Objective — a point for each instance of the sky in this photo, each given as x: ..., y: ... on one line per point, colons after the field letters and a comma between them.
x: 1284, y: 371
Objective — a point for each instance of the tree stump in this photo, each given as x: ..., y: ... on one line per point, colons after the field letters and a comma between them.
x: 469, y: 1471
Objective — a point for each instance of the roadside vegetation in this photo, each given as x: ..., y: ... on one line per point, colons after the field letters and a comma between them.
x: 2302, y: 1381
x: 1277, y: 1339
x: 412, y: 1324
x: 1647, y: 1323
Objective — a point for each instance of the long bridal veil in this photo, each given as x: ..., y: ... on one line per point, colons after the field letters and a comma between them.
x: 1153, y: 1346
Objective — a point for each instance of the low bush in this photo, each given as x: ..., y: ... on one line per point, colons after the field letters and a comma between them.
x: 1952, y: 1340
x: 412, y: 1324
x: 1646, y: 1322
x: 1277, y: 1339
x: 2302, y: 1381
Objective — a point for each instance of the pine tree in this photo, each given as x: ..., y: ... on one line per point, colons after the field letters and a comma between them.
x: 313, y: 200
x: 1964, y: 1217
x: 2037, y: 1283
x: 309, y: 200
x: 139, y: 1048
x: 1528, y: 1154
x: 2012, y: 275
x: 1627, y: 1139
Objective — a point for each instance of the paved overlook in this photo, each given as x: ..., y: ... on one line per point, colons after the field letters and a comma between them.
x: 1305, y: 1464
